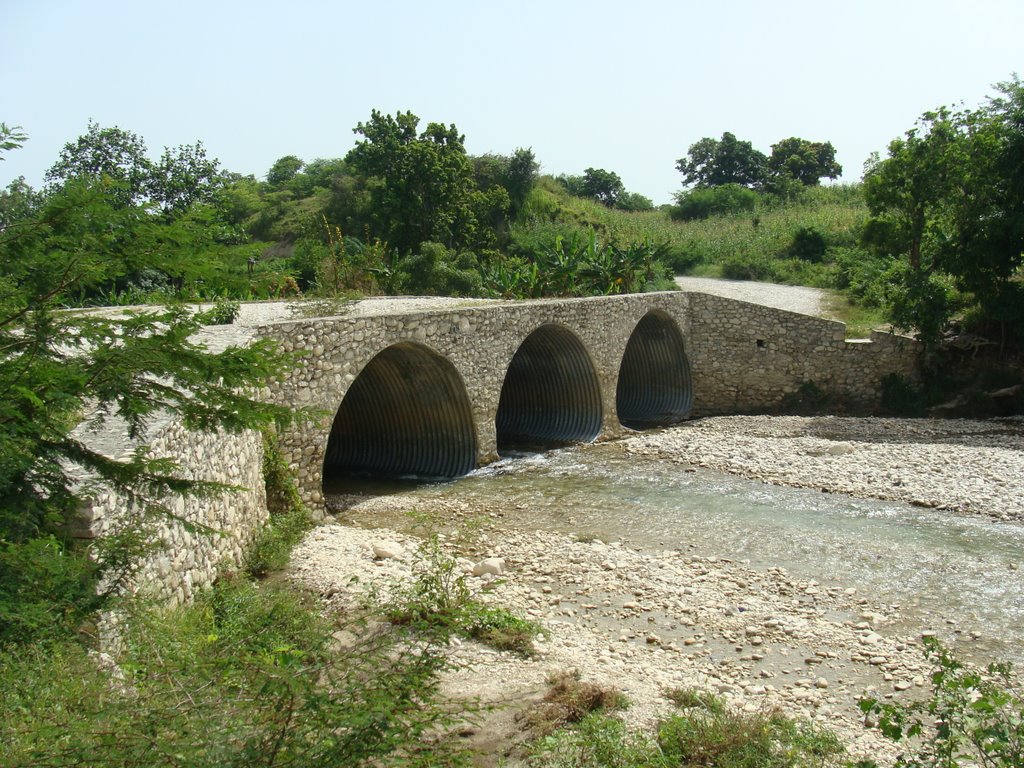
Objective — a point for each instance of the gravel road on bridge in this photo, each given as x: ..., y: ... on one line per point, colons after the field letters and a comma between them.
x: 793, y: 298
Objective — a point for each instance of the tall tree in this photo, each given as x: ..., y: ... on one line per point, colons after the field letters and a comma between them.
x: 604, y: 186
x: 183, y: 177
x: 421, y: 183
x: 112, y: 153
x: 806, y: 161
x: 712, y: 163
x: 949, y: 199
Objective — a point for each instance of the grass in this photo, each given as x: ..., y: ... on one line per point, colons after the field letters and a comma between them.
x: 439, y: 602
x: 707, y: 733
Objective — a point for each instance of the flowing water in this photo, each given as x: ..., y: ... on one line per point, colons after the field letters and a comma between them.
x: 952, y: 573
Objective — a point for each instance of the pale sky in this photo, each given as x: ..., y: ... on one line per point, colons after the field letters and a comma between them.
x: 625, y: 86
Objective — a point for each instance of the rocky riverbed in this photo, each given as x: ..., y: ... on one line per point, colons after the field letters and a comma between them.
x: 974, y: 467
x: 649, y: 621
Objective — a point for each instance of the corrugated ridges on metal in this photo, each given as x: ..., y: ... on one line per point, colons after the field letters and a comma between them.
x: 655, y: 388
x: 407, y: 413
x: 551, y: 393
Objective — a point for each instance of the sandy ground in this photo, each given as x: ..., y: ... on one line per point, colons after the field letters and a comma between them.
x: 648, y: 622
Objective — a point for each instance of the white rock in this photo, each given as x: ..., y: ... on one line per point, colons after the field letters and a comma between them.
x: 387, y: 550
x: 494, y: 566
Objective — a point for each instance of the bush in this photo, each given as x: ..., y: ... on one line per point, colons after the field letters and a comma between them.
x: 223, y: 312
x: 245, y: 677
x: 808, y: 244
x: 439, y: 604
x: 702, y: 203
x: 970, y: 719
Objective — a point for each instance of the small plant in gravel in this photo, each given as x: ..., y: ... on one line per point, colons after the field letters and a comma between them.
x: 694, y: 698
x: 439, y: 601
x: 971, y: 719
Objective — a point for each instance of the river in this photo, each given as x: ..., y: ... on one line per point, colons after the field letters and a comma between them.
x: 957, y: 575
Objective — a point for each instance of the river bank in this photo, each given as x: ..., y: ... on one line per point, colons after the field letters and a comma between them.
x: 973, y: 467
x: 648, y: 621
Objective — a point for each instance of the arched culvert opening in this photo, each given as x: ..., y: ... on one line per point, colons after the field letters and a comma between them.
x: 655, y: 388
x: 406, y: 414
x: 550, y: 395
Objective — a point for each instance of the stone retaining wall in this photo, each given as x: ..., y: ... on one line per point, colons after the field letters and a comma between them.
x: 223, y: 525
x: 748, y: 358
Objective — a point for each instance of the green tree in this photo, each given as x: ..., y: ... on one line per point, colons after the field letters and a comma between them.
x: 58, y: 368
x: 604, y: 186
x: 420, y: 184
x: 712, y: 163
x: 805, y: 161
x: 114, y: 153
x: 18, y: 202
x: 949, y: 199
x: 183, y: 177
x: 283, y: 170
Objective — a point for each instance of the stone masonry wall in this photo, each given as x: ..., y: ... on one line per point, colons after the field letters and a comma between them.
x: 189, y: 560
x: 747, y: 357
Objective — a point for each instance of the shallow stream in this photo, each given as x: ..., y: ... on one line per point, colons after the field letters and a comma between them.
x: 959, y: 575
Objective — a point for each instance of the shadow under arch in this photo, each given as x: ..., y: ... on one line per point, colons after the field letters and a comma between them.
x: 551, y: 394
x: 655, y: 388
x: 406, y: 414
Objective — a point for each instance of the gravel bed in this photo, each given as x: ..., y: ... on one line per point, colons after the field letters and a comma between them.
x: 974, y: 467
x: 649, y: 621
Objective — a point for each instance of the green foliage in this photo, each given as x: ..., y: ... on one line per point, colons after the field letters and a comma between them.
x: 804, y: 161
x: 706, y: 735
x: 604, y: 186
x: 46, y: 591
x: 422, y: 186
x: 181, y: 178
x: 271, y: 548
x: 723, y: 200
x: 712, y: 163
x: 438, y: 603
x: 690, y: 698
x: 245, y: 677
x: 283, y: 170
x: 970, y: 719
x: 808, y: 244
x: 223, y: 312
x: 59, y: 368
x: 733, y: 740
x: 948, y: 200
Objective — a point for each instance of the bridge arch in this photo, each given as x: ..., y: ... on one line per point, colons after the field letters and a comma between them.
x: 550, y: 395
x: 406, y: 414
x: 655, y: 387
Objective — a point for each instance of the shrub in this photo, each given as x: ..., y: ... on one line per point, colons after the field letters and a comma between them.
x: 702, y: 203
x: 970, y: 719
x: 808, y: 244
x: 438, y: 604
x: 246, y: 677
x: 223, y: 312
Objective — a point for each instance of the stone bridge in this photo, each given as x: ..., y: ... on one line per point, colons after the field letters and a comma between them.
x: 439, y: 392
